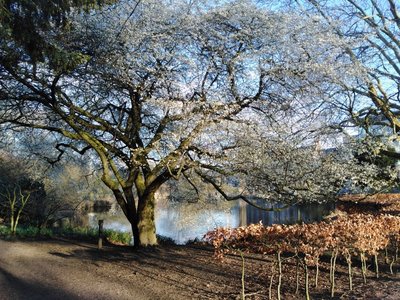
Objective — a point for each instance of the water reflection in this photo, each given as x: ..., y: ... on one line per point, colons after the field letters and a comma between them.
x: 184, y: 222
x: 114, y: 221
x: 299, y: 213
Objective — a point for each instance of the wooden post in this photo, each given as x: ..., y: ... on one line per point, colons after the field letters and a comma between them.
x: 100, y: 243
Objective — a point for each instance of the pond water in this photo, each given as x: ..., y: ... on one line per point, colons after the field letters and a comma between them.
x: 183, y: 222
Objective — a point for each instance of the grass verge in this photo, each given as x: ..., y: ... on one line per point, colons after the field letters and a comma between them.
x: 112, y: 236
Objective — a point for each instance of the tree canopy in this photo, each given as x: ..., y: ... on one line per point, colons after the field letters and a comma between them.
x: 27, y: 23
x: 371, y: 100
x: 157, y: 91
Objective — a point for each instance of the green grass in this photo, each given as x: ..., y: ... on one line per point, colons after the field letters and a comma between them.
x: 78, y: 232
x: 118, y: 237
x: 115, y: 237
x: 25, y: 232
x: 85, y: 233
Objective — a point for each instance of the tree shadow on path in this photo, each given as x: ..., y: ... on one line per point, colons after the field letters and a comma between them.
x: 12, y: 287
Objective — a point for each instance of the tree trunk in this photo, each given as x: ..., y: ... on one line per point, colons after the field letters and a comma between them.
x: 146, y: 221
x: 141, y: 218
x: 132, y: 218
x: 135, y: 233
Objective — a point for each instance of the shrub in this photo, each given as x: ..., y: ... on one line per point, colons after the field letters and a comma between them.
x: 26, y: 232
x: 78, y: 232
x: 118, y: 237
x: 4, y: 230
x: 164, y: 240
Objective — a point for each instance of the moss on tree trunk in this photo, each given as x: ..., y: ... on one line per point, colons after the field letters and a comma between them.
x: 141, y: 216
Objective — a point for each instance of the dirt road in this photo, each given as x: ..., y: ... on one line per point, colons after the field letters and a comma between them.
x: 67, y: 269
x: 62, y: 270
